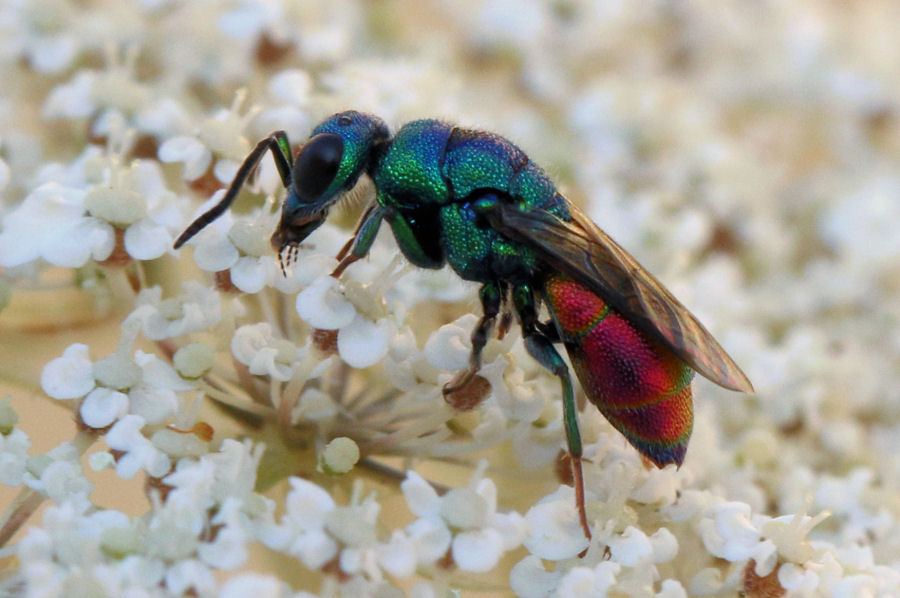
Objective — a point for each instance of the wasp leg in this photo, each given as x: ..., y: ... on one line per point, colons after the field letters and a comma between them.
x: 363, y: 237
x: 505, y: 323
x: 548, y: 329
x: 540, y: 346
x: 362, y: 221
x: 278, y: 143
x: 491, y: 298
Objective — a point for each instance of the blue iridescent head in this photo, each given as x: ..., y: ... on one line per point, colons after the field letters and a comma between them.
x: 339, y: 150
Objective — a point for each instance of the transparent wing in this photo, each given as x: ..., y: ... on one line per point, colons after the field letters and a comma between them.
x: 580, y: 249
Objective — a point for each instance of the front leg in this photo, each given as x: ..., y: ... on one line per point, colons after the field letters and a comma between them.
x: 363, y: 237
x: 491, y: 299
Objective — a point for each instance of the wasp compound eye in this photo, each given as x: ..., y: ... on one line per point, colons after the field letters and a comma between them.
x: 317, y: 165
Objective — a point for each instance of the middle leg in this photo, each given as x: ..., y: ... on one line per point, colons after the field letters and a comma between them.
x: 491, y: 295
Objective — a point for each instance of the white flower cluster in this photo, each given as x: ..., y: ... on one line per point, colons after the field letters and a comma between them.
x: 746, y: 153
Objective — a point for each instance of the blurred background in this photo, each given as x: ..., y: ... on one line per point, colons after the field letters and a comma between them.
x: 745, y: 152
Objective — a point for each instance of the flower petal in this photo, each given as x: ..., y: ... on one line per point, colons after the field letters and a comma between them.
x: 323, y: 306
x: 478, y: 551
x: 364, y: 343
x: 69, y: 376
x: 102, y: 407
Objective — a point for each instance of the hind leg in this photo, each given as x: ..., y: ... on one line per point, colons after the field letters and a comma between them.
x: 540, y: 346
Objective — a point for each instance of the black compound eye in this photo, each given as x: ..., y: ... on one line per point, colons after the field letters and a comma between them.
x: 317, y: 165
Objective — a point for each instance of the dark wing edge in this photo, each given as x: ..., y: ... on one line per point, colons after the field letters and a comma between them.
x: 580, y: 249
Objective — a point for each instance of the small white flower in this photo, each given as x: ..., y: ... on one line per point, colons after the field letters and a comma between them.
x: 195, y: 309
x: 189, y: 150
x: 302, y: 530
x: 227, y: 551
x: 732, y: 535
x: 582, y: 582
x: 155, y: 397
x: 49, y: 45
x: 292, y: 86
x: 174, y: 531
x: 62, y: 480
x: 139, y: 452
x: 529, y: 579
x: 258, y: 586
x: 236, y: 464
x: 91, y: 91
x: 448, y: 347
x: 431, y: 537
x: 661, y: 486
x: 13, y: 457
x: 363, y: 343
x: 519, y: 400
x: 556, y: 533
x: 213, y: 251
x: 69, y: 376
x: 220, y: 134
x: 398, y: 556
x: 477, y: 551
x: 254, y: 346
x: 51, y: 224
x: 664, y: 544
x: 483, y: 534
x: 323, y: 306
x: 188, y: 575
x: 671, y: 588
x: 150, y: 236
x: 789, y: 532
x: 102, y: 406
x: 795, y: 578
x: 630, y: 547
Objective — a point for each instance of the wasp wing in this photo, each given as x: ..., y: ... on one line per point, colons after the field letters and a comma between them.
x: 580, y: 249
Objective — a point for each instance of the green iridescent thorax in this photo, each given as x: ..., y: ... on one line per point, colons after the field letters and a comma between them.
x: 479, y: 160
x: 431, y: 172
x: 410, y: 171
x: 480, y: 253
x: 480, y: 164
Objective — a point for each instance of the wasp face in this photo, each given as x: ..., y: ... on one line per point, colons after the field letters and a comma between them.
x: 340, y: 149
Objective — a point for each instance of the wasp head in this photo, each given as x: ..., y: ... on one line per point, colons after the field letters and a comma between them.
x: 339, y: 150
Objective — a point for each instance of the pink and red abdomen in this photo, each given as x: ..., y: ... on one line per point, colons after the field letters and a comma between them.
x: 637, y: 383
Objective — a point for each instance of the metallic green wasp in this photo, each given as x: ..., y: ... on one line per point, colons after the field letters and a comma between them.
x: 475, y: 201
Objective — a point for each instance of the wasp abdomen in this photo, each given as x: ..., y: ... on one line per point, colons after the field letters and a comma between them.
x: 641, y: 387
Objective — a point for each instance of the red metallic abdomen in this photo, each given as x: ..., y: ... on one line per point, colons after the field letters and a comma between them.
x: 637, y: 383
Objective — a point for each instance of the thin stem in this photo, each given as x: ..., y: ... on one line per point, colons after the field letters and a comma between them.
x: 423, y: 426
x: 23, y: 507
x: 387, y: 472
x: 265, y: 306
x: 28, y: 500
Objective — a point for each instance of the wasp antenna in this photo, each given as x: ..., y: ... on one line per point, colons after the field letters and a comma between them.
x: 277, y: 142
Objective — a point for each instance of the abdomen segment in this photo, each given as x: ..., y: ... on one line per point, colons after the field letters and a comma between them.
x: 638, y: 385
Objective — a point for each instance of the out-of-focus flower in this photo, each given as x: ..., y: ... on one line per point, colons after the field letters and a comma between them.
x: 465, y: 521
x: 221, y: 135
